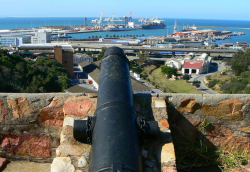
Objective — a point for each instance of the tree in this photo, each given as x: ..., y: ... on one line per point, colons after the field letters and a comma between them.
x: 102, y: 53
x: 137, y: 70
x: 215, y: 45
x: 107, y: 35
x: 169, y: 71
x: 240, y: 61
x: 142, y: 58
x: 89, y: 53
x: 43, y: 75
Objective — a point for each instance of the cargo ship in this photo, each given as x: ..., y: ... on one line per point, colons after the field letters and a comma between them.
x: 129, y: 26
x: 189, y: 28
x: 153, y: 24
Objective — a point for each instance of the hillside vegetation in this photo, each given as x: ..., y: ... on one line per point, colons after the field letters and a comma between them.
x: 42, y: 75
x: 236, y: 78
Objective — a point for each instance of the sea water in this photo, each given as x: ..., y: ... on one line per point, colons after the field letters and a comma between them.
x: 230, y: 25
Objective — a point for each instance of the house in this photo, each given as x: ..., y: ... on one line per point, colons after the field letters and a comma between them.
x: 174, y: 63
x: 195, y: 67
x: 78, y: 58
x: 92, y: 72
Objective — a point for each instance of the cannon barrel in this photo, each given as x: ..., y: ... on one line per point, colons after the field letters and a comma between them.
x: 115, y: 138
x: 116, y: 134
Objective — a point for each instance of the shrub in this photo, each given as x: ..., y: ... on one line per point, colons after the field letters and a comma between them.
x: 208, y: 77
x: 232, y: 87
x: 185, y: 77
x: 212, y: 83
x: 169, y: 70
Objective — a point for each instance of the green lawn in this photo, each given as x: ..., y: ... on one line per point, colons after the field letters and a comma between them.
x: 178, y: 86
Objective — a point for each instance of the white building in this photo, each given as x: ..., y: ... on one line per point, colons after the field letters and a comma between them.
x: 174, y: 63
x: 198, y: 66
x: 14, y: 41
x: 41, y: 38
x: 203, y: 57
x: 78, y: 58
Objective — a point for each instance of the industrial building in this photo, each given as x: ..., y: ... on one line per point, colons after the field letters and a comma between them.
x: 241, y: 44
x: 14, y: 41
x: 41, y: 38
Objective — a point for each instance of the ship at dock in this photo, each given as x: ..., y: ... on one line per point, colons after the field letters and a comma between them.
x: 189, y: 28
x: 129, y: 25
x: 153, y: 23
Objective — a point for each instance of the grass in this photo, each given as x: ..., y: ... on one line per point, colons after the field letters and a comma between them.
x: 178, y: 86
x: 197, y: 154
x: 230, y: 160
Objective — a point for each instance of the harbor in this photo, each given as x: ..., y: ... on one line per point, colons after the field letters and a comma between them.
x: 133, y: 27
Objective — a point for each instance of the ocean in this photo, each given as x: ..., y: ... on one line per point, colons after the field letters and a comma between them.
x: 230, y: 25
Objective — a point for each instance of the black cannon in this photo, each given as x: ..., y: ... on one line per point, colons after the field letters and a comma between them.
x: 116, y: 134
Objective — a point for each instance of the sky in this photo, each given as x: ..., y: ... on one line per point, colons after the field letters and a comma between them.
x: 186, y: 9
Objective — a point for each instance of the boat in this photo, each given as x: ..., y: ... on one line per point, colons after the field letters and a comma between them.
x: 189, y: 28
x: 153, y: 24
x: 63, y: 35
x: 126, y: 27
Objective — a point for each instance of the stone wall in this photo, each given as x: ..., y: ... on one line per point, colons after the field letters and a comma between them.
x: 39, y: 127
x: 218, y: 122
x: 30, y: 125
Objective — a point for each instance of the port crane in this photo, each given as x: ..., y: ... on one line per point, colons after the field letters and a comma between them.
x: 98, y: 22
x: 112, y: 20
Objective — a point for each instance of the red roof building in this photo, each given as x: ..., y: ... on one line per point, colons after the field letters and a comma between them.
x: 192, y: 64
x: 195, y: 67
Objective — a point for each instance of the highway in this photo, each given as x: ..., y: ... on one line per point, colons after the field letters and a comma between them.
x: 94, y: 45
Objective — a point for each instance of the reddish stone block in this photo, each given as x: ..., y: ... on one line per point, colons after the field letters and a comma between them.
x: 245, y: 129
x: 77, y: 108
x: 169, y: 169
x: 222, y: 137
x: 53, y: 113
x: 19, y: 106
x: 26, y: 144
x: 3, y: 112
x: 24, y: 105
x: 3, y: 161
x: 164, y: 123
x: 230, y: 109
x: 188, y: 105
x: 194, y: 122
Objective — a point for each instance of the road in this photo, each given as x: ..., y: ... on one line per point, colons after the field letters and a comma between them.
x: 99, y: 45
x: 202, y: 87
